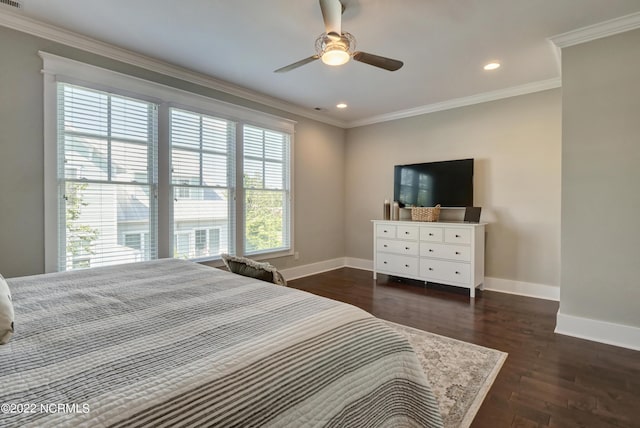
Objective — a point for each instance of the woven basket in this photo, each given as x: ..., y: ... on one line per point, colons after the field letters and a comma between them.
x: 425, y: 213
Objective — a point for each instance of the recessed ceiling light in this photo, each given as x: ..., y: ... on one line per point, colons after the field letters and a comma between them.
x: 341, y: 105
x: 492, y: 66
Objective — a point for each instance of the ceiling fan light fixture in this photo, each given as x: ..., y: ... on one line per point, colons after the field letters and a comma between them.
x: 335, y: 57
x: 335, y: 51
x: 336, y: 47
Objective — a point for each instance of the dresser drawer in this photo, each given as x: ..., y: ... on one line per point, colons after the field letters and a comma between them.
x: 457, y: 236
x: 397, y: 247
x: 444, y: 251
x: 431, y: 234
x: 407, y: 232
x: 386, y: 231
x: 441, y: 270
x: 401, y: 265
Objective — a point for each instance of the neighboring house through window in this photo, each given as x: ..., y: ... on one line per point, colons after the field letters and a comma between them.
x: 203, y: 176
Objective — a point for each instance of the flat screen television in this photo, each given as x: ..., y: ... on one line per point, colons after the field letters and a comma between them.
x: 448, y: 183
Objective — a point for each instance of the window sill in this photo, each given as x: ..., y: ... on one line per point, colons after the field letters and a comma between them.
x: 216, y: 261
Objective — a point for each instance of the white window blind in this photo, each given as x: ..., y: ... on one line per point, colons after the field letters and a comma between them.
x: 267, y: 199
x: 202, y: 176
x: 107, y: 150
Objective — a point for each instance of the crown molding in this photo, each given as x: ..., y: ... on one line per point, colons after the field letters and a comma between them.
x: 16, y: 21
x: 484, y: 97
x: 597, y: 31
x: 24, y: 24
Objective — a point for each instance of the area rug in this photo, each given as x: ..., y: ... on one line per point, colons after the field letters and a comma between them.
x: 460, y: 373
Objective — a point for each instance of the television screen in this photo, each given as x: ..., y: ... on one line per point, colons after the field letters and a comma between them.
x: 448, y: 183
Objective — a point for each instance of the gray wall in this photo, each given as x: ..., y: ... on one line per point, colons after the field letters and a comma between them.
x: 318, y: 160
x: 600, y: 179
x: 516, y: 144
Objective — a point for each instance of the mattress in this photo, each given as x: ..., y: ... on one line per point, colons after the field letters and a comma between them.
x: 174, y: 343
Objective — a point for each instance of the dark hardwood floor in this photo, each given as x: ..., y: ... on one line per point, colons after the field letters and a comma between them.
x: 548, y: 380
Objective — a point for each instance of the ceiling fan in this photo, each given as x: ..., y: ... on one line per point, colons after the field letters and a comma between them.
x: 334, y: 47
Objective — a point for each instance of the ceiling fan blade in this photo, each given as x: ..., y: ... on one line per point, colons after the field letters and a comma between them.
x: 332, y: 15
x: 297, y: 64
x: 378, y: 61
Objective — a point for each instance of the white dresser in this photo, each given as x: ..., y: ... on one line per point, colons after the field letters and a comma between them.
x: 449, y: 253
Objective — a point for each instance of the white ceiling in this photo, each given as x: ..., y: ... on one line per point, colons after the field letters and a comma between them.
x: 443, y: 43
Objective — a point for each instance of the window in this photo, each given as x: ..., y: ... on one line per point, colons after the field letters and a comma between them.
x: 185, y: 190
x: 214, y: 241
x: 135, y: 170
x: 266, y: 190
x: 107, y: 148
x: 202, y: 176
x: 133, y: 240
x: 137, y: 241
x: 201, y: 243
x: 182, y: 247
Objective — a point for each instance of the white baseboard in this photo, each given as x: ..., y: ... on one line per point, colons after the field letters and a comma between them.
x: 363, y: 264
x: 312, y: 268
x: 521, y: 288
x: 598, y: 331
x: 529, y: 289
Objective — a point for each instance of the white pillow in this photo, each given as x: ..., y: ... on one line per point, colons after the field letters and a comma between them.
x: 6, y: 312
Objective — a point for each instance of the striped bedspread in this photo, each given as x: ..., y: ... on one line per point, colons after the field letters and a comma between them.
x: 173, y: 343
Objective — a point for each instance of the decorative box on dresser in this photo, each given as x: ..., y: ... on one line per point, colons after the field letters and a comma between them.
x: 450, y: 253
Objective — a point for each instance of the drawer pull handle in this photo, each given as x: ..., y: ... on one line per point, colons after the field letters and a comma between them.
x: 406, y: 233
x: 406, y: 265
x: 457, y: 252
x: 431, y: 234
x: 430, y: 268
x: 430, y: 250
x: 457, y: 273
x: 384, y: 231
x: 406, y: 248
x: 384, y: 263
x: 457, y: 236
x: 385, y: 245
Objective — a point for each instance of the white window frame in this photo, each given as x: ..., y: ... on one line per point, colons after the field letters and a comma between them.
x: 286, y: 191
x: 60, y: 69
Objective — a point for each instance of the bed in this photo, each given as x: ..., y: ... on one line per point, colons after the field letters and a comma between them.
x: 175, y: 343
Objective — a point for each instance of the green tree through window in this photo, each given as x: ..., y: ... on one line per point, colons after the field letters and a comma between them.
x: 80, y: 236
x: 263, y: 217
